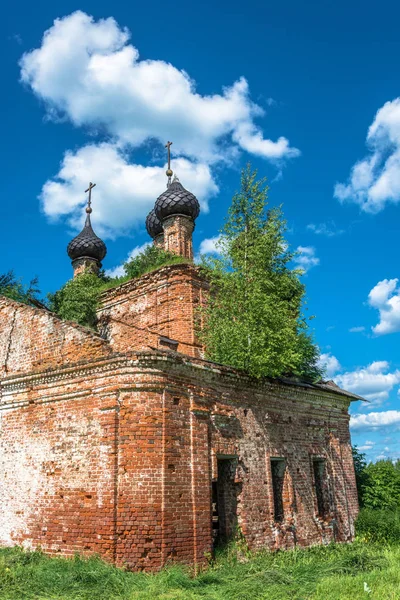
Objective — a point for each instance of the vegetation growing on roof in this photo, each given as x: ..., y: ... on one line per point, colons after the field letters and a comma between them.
x: 13, y: 288
x: 254, y: 320
x: 151, y: 258
x: 78, y: 299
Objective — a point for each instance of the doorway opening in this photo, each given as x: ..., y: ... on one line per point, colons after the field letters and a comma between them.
x: 224, y: 501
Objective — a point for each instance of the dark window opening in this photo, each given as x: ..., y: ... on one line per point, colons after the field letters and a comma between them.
x: 321, y: 491
x: 224, y: 501
x: 278, y: 468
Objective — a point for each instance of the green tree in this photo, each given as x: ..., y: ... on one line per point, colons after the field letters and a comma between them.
x: 77, y: 300
x: 253, y: 320
x: 381, y: 485
x: 13, y: 288
x: 360, y: 465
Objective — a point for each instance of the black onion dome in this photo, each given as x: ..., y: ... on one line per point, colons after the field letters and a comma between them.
x: 87, y: 244
x: 177, y: 201
x: 153, y: 224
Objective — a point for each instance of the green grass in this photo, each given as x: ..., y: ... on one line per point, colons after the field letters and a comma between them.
x: 379, y: 525
x: 335, y: 572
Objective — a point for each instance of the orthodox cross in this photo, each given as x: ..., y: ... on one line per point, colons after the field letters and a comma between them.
x: 169, y: 172
x: 91, y: 186
x: 168, y: 146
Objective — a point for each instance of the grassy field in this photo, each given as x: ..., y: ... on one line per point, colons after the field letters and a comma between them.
x: 336, y: 572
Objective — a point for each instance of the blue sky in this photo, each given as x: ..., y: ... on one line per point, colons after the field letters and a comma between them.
x: 308, y: 92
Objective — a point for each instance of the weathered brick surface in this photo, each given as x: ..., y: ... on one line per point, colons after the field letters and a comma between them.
x: 107, y: 450
x: 162, y: 303
x: 33, y: 339
x: 177, y: 236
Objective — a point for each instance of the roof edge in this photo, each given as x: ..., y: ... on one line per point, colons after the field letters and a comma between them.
x: 137, y: 281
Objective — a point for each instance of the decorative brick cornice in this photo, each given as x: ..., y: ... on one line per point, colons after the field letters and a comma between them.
x: 229, y: 376
x: 191, y: 371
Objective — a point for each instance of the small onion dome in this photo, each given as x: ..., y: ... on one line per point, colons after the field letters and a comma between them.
x: 153, y: 224
x: 177, y: 201
x: 86, y: 244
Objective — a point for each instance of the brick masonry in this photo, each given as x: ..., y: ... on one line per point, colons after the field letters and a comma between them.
x: 163, y: 303
x: 177, y: 237
x: 111, y: 444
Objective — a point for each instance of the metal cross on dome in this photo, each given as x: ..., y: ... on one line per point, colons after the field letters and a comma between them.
x: 89, y: 206
x: 169, y: 172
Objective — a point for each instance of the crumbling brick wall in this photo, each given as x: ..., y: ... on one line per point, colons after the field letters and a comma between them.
x: 34, y: 339
x: 256, y: 422
x: 163, y: 303
x: 117, y: 455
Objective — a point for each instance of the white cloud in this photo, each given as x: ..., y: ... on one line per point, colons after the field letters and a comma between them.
x: 306, y: 258
x: 119, y: 271
x: 373, y: 382
x: 375, y: 420
x: 385, y: 297
x: 210, y: 245
x: 375, y: 180
x: 125, y: 192
x: 356, y: 329
x: 366, y: 446
x: 86, y: 71
x: 330, y: 364
x: 251, y: 139
x: 327, y: 229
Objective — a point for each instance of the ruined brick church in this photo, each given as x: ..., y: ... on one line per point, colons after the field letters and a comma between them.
x: 127, y: 443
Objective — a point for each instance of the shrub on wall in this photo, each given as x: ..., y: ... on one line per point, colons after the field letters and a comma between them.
x: 77, y: 299
x: 13, y: 288
x: 151, y: 258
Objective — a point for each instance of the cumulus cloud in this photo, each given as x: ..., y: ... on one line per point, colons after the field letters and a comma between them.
x: 330, y: 364
x: 385, y: 297
x: 306, y: 258
x: 119, y: 270
x: 368, y: 445
x: 210, y: 245
x: 373, y: 382
x: 375, y: 180
x: 375, y: 420
x: 125, y: 192
x: 88, y: 72
x: 327, y: 229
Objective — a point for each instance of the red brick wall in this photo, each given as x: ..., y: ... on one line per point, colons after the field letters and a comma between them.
x: 116, y: 453
x: 257, y: 422
x: 33, y: 339
x: 57, y: 469
x: 117, y: 456
x: 177, y: 237
x: 162, y: 303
